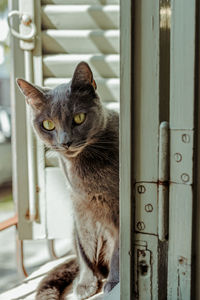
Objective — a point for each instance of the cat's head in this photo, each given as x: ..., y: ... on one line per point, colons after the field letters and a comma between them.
x: 68, y: 117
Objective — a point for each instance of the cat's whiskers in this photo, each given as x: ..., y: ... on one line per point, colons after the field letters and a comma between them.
x: 99, y: 154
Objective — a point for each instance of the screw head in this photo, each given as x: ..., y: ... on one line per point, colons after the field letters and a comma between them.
x: 140, y: 225
x: 148, y: 207
x: 178, y: 157
x: 141, y: 189
x: 185, y: 138
x: 185, y: 177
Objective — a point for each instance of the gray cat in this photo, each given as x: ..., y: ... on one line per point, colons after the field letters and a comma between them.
x: 72, y: 120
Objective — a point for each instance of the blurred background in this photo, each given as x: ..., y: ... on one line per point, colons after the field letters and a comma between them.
x: 8, y: 267
x: 35, y: 252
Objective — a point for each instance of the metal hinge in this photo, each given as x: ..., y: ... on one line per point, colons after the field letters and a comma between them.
x: 151, y: 214
x: 181, y: 162
x: 152, y: 198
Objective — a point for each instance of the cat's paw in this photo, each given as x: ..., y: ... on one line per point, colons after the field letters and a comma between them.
x: 86, y: 289
x: 109, y: 286
x: 50, y: 294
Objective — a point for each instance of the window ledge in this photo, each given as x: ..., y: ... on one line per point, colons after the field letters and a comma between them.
x: 26, y: 290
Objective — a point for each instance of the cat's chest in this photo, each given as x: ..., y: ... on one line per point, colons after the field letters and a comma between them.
x: 94, y: 194
x: 90, y: 180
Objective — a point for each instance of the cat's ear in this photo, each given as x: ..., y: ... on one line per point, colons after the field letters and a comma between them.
x: 33, y: 95
x: 83, y: 75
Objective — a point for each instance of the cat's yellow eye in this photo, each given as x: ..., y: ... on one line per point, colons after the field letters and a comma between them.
x: 79, y: 118
x: 48, y: 125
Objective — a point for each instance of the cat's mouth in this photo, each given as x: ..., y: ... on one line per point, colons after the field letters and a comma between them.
x: 70, y: 151
x: 74, y: 151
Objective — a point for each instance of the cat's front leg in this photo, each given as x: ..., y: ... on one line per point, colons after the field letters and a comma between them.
x: 113, y: 277
x: 86, y: 285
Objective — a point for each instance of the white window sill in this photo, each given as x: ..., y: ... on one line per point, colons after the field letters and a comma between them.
x: 26, y: 290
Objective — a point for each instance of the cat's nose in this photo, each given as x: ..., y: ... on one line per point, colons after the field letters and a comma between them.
x: 68, y: 144
x: 64, y: 140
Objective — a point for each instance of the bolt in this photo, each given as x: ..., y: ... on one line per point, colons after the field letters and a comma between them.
x: 26, y: 20
x: 178, y: 157
x: 185, y: 138
x: 140, y: 225
x: 185, y: 177
x: 149, y: 207
x: 141, y: 189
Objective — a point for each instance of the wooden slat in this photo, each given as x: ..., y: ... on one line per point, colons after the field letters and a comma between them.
x: 106, y: 66
x: 80, y: 17
x: 91, y: 41
x: 107, y: 89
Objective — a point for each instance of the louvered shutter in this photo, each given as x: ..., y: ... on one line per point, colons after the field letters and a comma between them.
x: 67, y: 32
x: 77, y: 31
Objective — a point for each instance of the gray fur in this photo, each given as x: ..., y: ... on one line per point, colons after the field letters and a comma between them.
x: 89, y: 156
